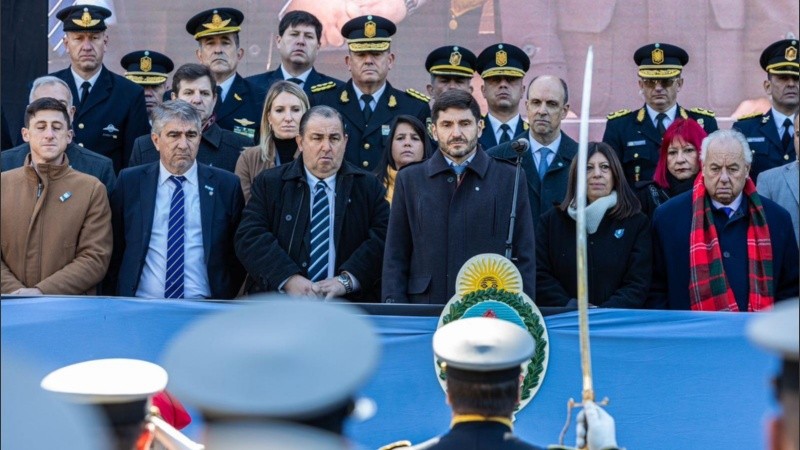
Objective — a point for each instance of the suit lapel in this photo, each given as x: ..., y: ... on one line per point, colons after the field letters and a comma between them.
x: 350, y: 108
x: 770, y: 131
x: 344, y: 183
x: 487, y: 139
x: 233, y: 100
x: 647, y: 129
x: 790, y: 176
x: 99, y: 93
x: 382, y: 113
x: 206, y: 186
x: 148, y: 187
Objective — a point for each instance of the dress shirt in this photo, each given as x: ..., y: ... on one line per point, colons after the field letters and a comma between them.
x: 225, y: 87
x: 302, y: 77
x: 734, y: 204
x: 79, y: 81
x: 495, y: 124
x: 652, y: 113
x: 151, y: 283
x: 779, y: 118
x: 375, y: 97
x: 536, y: 149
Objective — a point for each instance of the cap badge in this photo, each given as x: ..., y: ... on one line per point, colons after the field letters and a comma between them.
x: 791, y: 53
x: 657, y: 56
x: 370, y: 29
x: 455, y: 58
x: 216, y: 22
x: 146, y: 63
x: 501, y: 58
x: 86, y: 20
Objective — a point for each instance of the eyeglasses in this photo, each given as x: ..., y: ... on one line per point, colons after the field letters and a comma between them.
x: 651, y: 83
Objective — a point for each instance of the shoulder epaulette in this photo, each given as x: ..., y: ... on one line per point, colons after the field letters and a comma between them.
x: 750, y: 116
x: 620, y: 113
x: 323, y: 86
x: 418, y: 95
x: 394, y: 445
x: 703, y: 111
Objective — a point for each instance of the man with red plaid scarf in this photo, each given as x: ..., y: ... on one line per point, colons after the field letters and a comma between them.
x: 721, y: 246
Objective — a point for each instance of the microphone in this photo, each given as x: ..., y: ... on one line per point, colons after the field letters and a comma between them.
x: 520, y: 145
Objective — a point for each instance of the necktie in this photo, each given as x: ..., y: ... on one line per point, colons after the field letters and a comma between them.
x: 727, y: 210
x: 367, y: 99
x: 544, y: 152
x: 85, y: 91
x: 660, y: 123
x: 506, y: 136
x: 320, y: 229
x: 296, y: 81
x: 173, y: 288
x: 787, y: 136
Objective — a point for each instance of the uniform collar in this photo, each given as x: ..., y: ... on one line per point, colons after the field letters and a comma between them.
x: 466, y: 418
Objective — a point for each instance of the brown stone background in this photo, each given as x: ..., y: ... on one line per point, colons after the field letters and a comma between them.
x: 724, y: 39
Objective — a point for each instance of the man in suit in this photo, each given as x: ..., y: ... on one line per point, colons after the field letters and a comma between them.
x: 770, y: 134
x: 451, y: 207
x: 315, y: 226
x: 111, y: 111
x: 502, y: 67
x: 551, y: 152
x: 194, y: 84
x: 80, y: 159
x: 367, y: 101
x: 174, y: 220
x: 722, y: 246
x: 239, y: 102
x: 298, y: 41
x: 636, y: 135
x: 782, y: 184
x: 150, y: 70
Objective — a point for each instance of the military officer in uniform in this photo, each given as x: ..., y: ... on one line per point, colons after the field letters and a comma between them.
x: 111, y: 111
x: 770, y: 134
x: 636, y: 135
x: 367, y: 101
x: 451, y: 67
x: 149, y: 70
x: 239, y: 102
x: 298, y: 41
x: 502, y: 67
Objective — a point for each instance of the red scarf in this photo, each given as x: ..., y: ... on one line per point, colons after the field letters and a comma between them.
x: 708, y: 287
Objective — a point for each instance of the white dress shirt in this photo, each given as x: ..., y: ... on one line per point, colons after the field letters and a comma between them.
x: 779, y: 118
x: 495, y: 124
x: 375, y: 96
x: 652, y: 113
x: 734, y: 206
x: 79, y: 81
x: 536, y: 148
x: 302, y: 77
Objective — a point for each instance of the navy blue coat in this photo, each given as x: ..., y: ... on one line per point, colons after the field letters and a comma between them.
x: 367, y: 141
x: 80, y: 159
x: 477, y: 436
x: 489, y: 140
x: 132, y: 208
x: 218, y: 148
x: 436, y: 226
x: 6, y: 140
x: 765, y: 142
x: 672, y: 224
x: 112, y: 117
x: 637, y: 142
x: 273, y: 241
x: 542, y: 195
x: 241, y: 111
x: 263, y: 81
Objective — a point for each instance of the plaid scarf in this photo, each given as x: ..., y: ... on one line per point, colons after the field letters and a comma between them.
x: 708, y: 287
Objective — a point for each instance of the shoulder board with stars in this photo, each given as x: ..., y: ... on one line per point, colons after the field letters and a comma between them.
x: 394, y: 445
x: 418, y: 95
x: 750, y: 116
x: 322, y: 87
x: 703, y: 111
x: 620, y: 113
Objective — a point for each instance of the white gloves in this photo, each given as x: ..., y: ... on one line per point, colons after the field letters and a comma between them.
x: 596, y: 428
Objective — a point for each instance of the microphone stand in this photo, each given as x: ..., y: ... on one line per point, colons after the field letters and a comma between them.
x: 513, y: 217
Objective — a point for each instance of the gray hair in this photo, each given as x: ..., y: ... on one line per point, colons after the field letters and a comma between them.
x: 322, y: 111
x: 723, y: 135
x: 48, y: 80
x: 174, y: 110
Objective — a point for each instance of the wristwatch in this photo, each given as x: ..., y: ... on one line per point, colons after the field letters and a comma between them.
x: 345, y: 280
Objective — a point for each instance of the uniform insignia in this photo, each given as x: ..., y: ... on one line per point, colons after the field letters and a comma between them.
x: 146, y: 63
x: 790, y: 54
x: 750, y: 116
x: 684, y: 114
x: 244, y: 122
x: 322, y: 87
x: 525, y: 125
x: 703, y: 111
x: 86, y: 20
x: 209, y: 189
x: 701, y: 122
x: 640, y: 116
x: 394, y: 445
x: 236, y: 96
x: 216, y: 22
x: 501, y: 58
x: 110, y: 128
x: 418, y: 95
x: 620, y: 113
x: 344, y: 98
x: 619, y: 232
x: 370, y: 29
x: 65, y: 196
x: 765, y: 119
x: 429, y: 127
x: 392, y: 101
x: 658, y: 56
x: 455, y: 57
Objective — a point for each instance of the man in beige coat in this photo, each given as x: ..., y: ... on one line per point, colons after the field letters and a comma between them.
x: 56, y: 222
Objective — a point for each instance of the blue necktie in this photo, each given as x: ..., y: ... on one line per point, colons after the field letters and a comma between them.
x: 173, y: 288
x: 728, y: 211
x: 320, y: 229
x: 506, y: 136
x: 544, y: 152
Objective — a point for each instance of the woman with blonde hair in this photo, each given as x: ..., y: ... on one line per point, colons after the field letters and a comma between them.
x: 285, y: 104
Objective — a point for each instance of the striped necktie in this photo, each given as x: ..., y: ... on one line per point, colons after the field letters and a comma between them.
x: 320, y: 234
x: 173, y: 287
